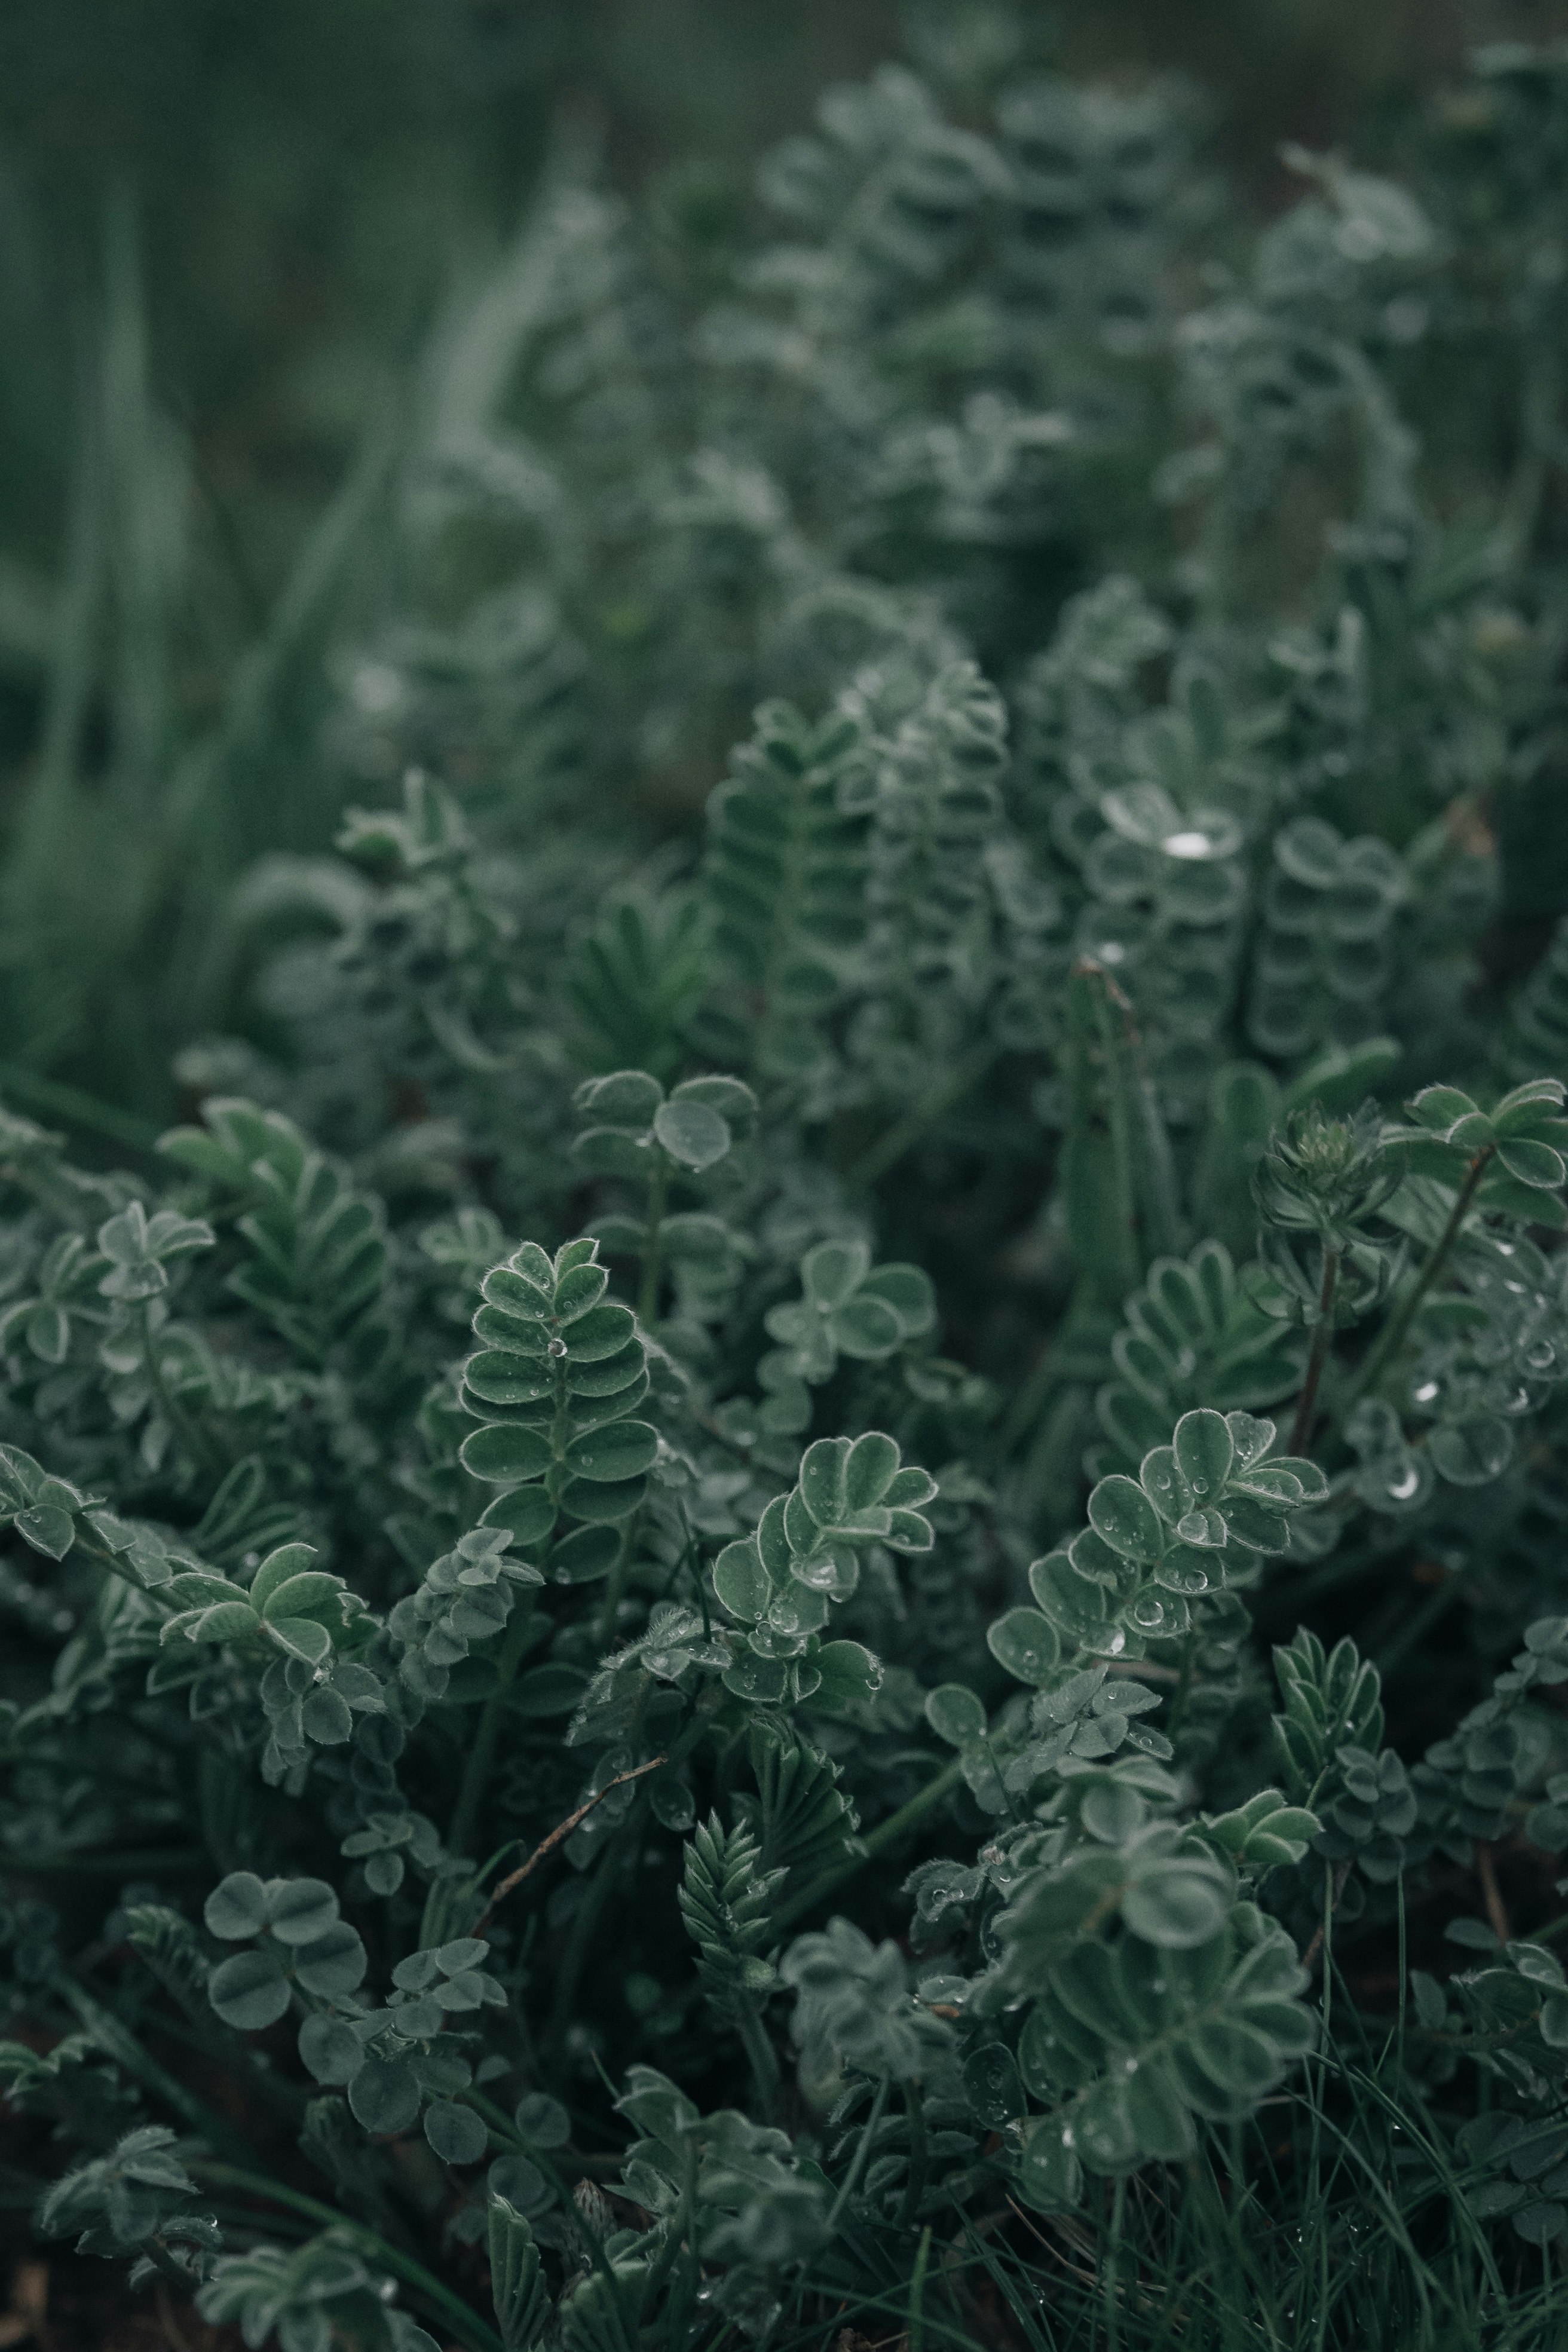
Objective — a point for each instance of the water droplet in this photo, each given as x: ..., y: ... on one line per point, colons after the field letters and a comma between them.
x: 1116, y: 1644
x: 1067, y: 2137
x: 1542, y: 1357
x: 1405, y: 1485
x: 1187, y: 844
x: 1200, y: 1486
x: 1425, y: 1393
x: 558, y: 1347
x: 1110, y: 951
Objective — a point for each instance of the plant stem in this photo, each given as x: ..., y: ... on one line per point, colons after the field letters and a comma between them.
x: 653, y: 1256
x: 81, y: 1108
x: 761, y: 2058
x: 914, y: 2188
x: 465, y: 2322
x: 1110, y: 2266
x: 1392, y: 1337
x: 863, y: 2150
x: 1322, y: 1340
x: 885, y: 1835
x: 889, y: 1149
x: 916, y: 2332
x: 481, y: 1754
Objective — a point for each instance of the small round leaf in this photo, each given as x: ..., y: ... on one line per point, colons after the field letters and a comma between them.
x: 456, y: 2133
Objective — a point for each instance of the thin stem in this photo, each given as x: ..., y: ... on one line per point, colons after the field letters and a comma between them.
x: 1110, y: 2264
x: 653, y: 1254
x: 481, y: 1754
x: 914, y: 2188
x: 885, y: 1835
x: 1390, y: 1338
x: 1322, y: 1340
x: 615, y: 1587
x: 1029, y: 1401
x: 905, y: 1133
x: 761, y: 2058
x: 1182, y: 1691
x: 82, y: 1109
x: 863, y: 2150
x: 916, y: 2334
x: 598, y: 1892
x: 466, y: 2322
x: 562, y: 1830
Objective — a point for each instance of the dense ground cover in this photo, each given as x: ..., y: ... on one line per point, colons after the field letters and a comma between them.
x: 785, y: 1551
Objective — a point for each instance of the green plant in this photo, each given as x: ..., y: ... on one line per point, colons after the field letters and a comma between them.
x: 774, y: 1571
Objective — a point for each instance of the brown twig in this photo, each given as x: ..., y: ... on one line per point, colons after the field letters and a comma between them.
x: 1491, y: 1893
x: 562, y: 1830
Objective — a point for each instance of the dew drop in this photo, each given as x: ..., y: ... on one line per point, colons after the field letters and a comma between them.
x: 1405, y: 1485
x: 1425, y: 1393
x: 1187, y: 844
x: 557, y: 1346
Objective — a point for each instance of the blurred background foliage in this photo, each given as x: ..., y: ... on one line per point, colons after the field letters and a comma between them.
x: 240, y: 251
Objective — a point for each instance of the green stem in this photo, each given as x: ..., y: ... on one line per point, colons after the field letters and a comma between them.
x: 1028, y: 1402
x: 1112, y: 2260
x: 885, y: 1835
x: 136, y: 1861
x: 1322, y: 1340
x: 465, y: 2322
x: 615, y: 1587
x: 914, y: 2188
x: 1390, y: 1338
x: 481, y: 1754
x: 761, y: 2057
x: 594, y: 1902
x: 653, y: 1254
x: 905, y: 1133
x: 916, y: 2331
x: 1182, y: 1691
x: 202, y: 1452
x: 82, y: 1109
x: 863, y: 2150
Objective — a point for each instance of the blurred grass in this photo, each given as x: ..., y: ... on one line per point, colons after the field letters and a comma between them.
x: 224, y: 235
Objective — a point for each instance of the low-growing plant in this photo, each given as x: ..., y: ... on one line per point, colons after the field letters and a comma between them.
x: 808, y: 1585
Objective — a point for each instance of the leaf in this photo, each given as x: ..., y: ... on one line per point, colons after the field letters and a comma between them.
x: 691, y: 1133
x: 457, y: 2134
x: 1027, y: 1643
x: 1176, y: 1905
x: 543, y: 2120
x: 236, y: 1907
x: 249, y: 1990
x: 865, y: 1328
x: 1122, y: 1514
x: 621, y: 1450
x: 1204, y: 1451
x: 299, y: 1910
x: 832, y: 1271
x: 385, y: 2094
x: 301, y: 1596
x: 334, y: 1963
x: 625, y: 1098
x: 1049, y: 2174
x: 504, y: 1453
x: 329, y: 2049
x: 288, y: 1560
x: 742, y: 1582
x: 850, y: 1677
x: 956, y: 1714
